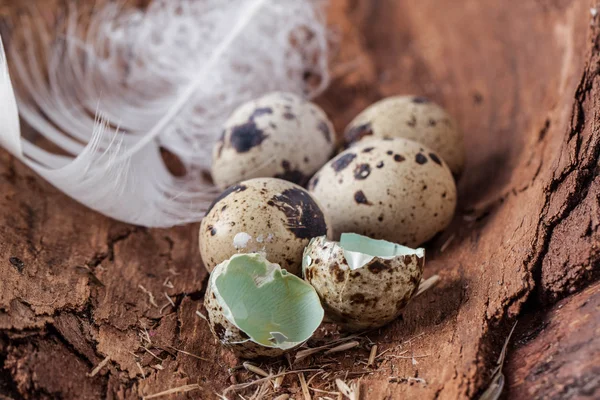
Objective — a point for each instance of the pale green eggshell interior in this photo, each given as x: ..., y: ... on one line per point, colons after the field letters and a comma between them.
x: 359, y: 250
x: 274, y: 308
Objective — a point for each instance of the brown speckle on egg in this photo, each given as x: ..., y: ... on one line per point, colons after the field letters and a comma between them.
x: 435, y: 158
x: 377, y: 266
x: 261, y: 111
x: 420, y: 159
x: 362, y: 171
x: 420, y: 100
x: 360, y: 198
x: 339, y: 163
x: 304, y: 216
x: 246, y: 136
x: 324, y: 128
x: 354, y: 133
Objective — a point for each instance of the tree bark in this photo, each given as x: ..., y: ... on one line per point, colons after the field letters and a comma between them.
x: 77, y: 289
x: 557, y: 354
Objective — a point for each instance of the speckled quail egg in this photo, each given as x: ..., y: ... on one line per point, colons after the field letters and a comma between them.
x: 414, y: 118
x: 363, y: 283
x: 392, y: 189
x: 259, y: 310
x: 267, y: 215
x: 278, y: 135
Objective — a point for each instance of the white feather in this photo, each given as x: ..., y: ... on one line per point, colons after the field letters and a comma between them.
x: 167, y: 77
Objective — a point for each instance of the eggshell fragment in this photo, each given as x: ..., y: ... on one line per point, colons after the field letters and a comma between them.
x: 363, y: 283
x: 257, y: 309
x: 266, y: 215
x: 278, y: 135
x: 397, y: 190
x: 415, y: 118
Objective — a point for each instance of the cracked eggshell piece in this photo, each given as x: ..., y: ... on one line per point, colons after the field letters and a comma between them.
x: 415, y: 118
x: 257, y: 309
x: 395, y: 189
x: 363, y: 283
x: 266, y: 215
x: 278, y: 135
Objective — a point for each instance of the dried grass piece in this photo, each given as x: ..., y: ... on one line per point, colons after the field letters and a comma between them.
x: 399, y: 379
x: 261, y: 392
x: 168, y: 283
x: 152, y: 354
x: 372, y: 355
x: 302, y: 354
x: 180, y: 389
x: 314, y: 377
x: 98, y: 367
x: 427, y: 284
x: 305, y: 391
x: 150, y: 295
x: 169, y: 299
x: 246, y: 385
x: 253, y: 368
x: 343, y: 347
x: 189, y: 354
x: 279, y: 380
x: 352, y: 392
x: 447, y: 243
x: 145, y: 335
x: 494, y: 391
x: 323, y: 391
x: 141, y: 369
x: 284, y: 396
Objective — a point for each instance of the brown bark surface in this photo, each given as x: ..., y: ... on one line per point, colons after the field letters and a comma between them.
x: 521, y: 77
x: 557, y: 354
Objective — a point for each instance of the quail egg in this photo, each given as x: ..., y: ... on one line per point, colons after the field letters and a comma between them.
x: 363, y: 283
x: 267, y: 215
x: 392, y: 189
x: 259, y: 310
x: 279, y: 135
x: 414, y: 118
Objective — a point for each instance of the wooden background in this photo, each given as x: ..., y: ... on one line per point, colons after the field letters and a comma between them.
x: 521, y: 77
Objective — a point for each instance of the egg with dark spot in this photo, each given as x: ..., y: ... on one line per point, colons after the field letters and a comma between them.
x: 414, y: 118
x: 363, y: 283
x: 262, y: 215
x: 278, y: 135
x: 399, y: 191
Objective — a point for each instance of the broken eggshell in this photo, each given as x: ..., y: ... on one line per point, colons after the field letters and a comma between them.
x: 363, y: 283
x: 267, y: 215
x: 279, y: 135
x: 415, y: 118
x: 257, y: 309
